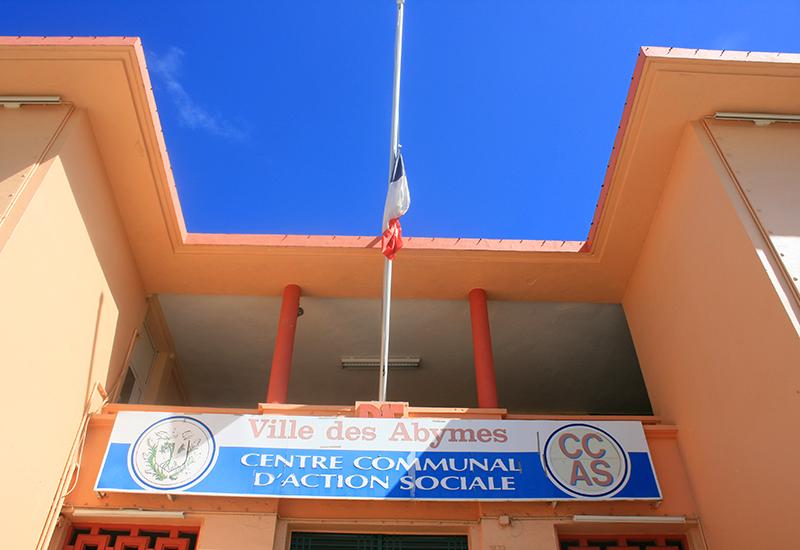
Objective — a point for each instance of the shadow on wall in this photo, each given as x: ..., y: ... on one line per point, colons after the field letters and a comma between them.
x: 75, y: 152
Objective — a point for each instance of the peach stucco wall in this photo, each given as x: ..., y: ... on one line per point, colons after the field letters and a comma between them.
x: 766, y: 166
x: 719, y: 351
x: 71, y: 299
x: 243, y: 531
x: 20, y: 154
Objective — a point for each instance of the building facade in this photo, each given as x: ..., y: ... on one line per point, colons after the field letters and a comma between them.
x: 173, y: 390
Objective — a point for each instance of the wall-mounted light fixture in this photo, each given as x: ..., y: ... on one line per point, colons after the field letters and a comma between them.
x: 629, y: 519
x: 374, y: 362
x: 124, y: 513
x: 759, y: 119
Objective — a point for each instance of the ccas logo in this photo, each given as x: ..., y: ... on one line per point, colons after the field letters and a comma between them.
x: 585, y: 461
x: 173, y: 453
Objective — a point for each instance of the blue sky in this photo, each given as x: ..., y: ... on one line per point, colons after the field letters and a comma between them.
x: 276, y: 114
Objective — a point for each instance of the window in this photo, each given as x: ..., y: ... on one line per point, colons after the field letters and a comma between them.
x: 351, y: 541
x: 139, y: 366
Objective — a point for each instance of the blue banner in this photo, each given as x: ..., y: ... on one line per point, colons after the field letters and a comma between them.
x: 456, y: 460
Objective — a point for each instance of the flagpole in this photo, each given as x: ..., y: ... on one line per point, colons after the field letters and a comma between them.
x: 387, y: 263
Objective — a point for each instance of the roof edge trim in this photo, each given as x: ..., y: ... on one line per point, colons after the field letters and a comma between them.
x: 196, y: 240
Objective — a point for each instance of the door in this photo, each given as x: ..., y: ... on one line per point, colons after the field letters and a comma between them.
x: 353, y: 541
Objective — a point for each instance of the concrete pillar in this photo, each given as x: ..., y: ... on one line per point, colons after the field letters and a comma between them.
x: 482, y: 349
x: 284, y: 346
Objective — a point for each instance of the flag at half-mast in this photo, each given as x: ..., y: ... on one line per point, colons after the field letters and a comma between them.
x: 398, y: 200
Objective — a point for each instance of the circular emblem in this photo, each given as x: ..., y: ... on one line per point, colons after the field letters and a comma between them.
x: 173, y: 453
x: 585, y: 461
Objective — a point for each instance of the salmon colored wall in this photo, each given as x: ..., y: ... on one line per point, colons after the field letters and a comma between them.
x: 240, y: 531
x: 519, y: 535
x: 74, y: 296
x: 720, y: 353
x: 765, y: 164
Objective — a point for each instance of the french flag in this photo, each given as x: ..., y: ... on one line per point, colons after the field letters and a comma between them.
x: 398, y: 200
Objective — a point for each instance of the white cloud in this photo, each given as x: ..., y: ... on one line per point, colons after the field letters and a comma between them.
x: 166, y: 68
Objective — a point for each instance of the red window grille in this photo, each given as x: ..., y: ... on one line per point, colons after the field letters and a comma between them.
x: 94, y: 536
x: 623, y: 542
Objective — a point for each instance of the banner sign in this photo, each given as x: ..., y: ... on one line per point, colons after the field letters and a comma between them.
x: 377, y: 458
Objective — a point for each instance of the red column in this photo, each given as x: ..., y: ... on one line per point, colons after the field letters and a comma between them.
x: 284, y: 345
x: 482, y: 349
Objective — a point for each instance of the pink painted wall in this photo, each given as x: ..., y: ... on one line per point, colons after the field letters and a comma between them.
x: 71, y: 298
x: 719, y: 350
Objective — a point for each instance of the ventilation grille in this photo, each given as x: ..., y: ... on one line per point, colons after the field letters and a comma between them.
x: 131, y: 537
x: 645, y: 542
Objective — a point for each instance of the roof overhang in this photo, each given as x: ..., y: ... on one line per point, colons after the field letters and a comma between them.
x: 108, y: 78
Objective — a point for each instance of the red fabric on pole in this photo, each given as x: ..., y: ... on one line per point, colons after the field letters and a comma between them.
x: 392, y: 239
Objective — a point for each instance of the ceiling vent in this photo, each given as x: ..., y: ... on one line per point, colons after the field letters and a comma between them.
x: 374, y: 362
